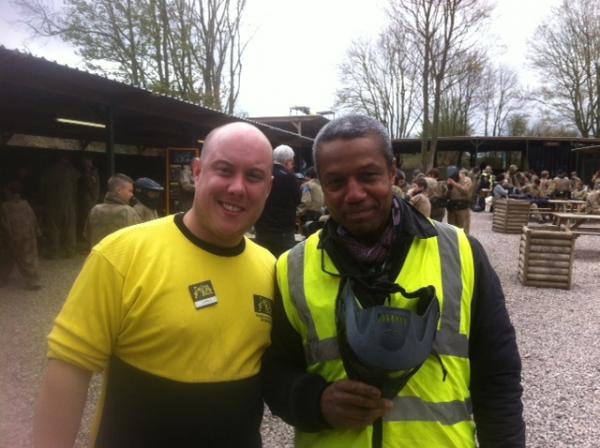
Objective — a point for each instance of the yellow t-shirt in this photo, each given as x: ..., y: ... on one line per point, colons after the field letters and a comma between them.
x: 168, y: 305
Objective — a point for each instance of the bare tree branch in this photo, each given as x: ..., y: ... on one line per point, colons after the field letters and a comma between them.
x: 189, y: 49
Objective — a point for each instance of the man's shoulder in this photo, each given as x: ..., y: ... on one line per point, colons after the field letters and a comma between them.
x: 258, y: 252
x: 153, y: 232
x: 281, y: 174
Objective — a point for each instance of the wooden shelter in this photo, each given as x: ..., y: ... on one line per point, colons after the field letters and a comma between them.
x: 45, y: 103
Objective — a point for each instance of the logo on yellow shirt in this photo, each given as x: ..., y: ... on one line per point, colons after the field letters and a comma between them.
x: 263, y: 307
x: 203, y: 294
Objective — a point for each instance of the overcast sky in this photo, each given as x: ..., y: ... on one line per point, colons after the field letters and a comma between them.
x: 297, y: 47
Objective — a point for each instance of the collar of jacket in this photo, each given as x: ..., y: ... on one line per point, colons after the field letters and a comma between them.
x: 113, y: 198
x: 372, y: 281
x: 412, y: 225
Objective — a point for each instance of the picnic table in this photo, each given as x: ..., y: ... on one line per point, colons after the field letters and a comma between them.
x: 573, y: 221
x: 566, y: 205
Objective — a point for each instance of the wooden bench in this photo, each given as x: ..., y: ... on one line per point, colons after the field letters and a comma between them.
x: 573, y: 222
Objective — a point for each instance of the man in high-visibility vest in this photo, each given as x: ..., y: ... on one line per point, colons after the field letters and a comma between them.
x: 351, y: 300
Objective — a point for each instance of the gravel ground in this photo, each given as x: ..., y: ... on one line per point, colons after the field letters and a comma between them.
x: 558, y: 334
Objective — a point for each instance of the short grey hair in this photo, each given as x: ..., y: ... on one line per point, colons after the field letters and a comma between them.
x: 282, y: 154
x: 349, y: 127
x: 118, y: 180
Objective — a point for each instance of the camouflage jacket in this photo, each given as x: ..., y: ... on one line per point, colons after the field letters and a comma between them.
x: 312, y: 197
x: 18, y: 221
x: 592, y: 203
x: 113, y: 214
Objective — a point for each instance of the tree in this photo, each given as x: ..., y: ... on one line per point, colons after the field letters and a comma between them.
x: 547, y: 126
x: 378, y: 79
x: 516, y: 124
x: 459, y: 97
x: 500, y: 97
x: 566, y: 53
x: 189, y: 49
x: 441, y: 32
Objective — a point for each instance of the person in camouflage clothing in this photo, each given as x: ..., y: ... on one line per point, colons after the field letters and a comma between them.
x: 59, y: 187
x: 436, y: 192
x: 562, y: 188
x: 114, y: 213
x: 459, y: 199
x: 579, y: 192
x: 596, y: 180
x: 417, y: 197
x: 88, y: 193
x: 311, y: 202
x: 592, y: 203
x: 546, y: 184
x: 511, y: 177
x: 19, y: 231
x: 148, y: 194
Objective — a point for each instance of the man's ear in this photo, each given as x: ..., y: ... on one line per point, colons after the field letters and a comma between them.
x: 196, y: 168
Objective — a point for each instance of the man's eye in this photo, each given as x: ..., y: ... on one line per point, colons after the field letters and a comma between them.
x: 255, y: 177
x: 224, y: 171
x: 335, y: 183
x: 370, y: 175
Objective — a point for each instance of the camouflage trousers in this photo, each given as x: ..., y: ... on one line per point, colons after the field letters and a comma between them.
x: 61, y: 231
x: 23, y: 254
x: 438, y: 213
x: 460, y: 218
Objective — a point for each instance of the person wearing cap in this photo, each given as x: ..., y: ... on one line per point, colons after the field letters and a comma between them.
x: 148, y: 194
x: 377, y: 250
x: 276, y: 227
x: 176, y: 312
x: 114, y: 213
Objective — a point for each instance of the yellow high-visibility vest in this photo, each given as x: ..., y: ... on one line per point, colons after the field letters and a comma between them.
x: 428, y: 411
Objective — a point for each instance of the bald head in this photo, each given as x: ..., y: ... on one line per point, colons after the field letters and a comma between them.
x: 232, y: 178
x: 239, y: 131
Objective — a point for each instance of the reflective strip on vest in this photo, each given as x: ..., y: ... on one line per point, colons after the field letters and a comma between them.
x: 315, y: 350
x: 448, y: 340
x: 415, y: 409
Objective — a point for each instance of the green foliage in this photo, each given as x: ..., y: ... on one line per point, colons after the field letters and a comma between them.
x: 516, y: 125
x: 190, y: 50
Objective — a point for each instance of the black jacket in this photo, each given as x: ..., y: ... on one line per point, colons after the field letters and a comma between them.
x: 496, y: 390
x: 279, y: 214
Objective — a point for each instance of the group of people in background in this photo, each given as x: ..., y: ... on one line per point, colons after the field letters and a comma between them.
x: 538, y: 189
x: 476, y: 189
x: 71, y: 211
x: 71, y: 217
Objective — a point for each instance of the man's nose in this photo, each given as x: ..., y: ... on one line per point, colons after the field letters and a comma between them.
x: 355, y: 191
x: 237, y: 184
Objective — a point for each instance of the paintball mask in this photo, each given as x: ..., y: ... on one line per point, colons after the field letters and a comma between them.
x: 385, y: 346
x: 149, y: 192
